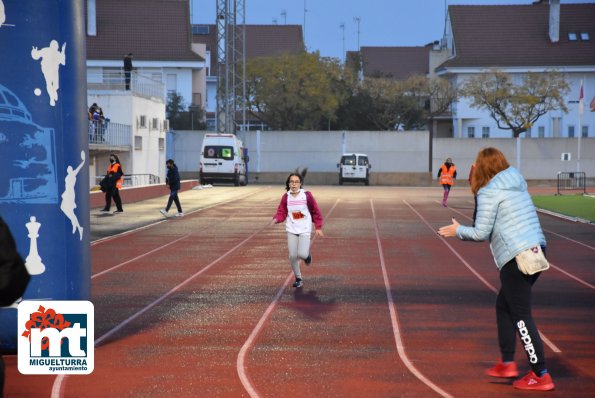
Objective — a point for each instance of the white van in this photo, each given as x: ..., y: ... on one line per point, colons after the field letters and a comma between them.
x: 354, y: 167
x: 222, y: 159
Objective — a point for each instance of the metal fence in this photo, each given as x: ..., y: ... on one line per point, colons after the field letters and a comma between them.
x: 108, y: 133
x: 572, y: 181
x: 135, y: 180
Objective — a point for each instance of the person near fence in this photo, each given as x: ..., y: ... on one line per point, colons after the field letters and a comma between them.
x: 13, y: 278
x: 447, y: 174
x: 114, y: 180
x: 173, y: 181
x: 97, y: 121
x: 298, y: 209
x: 507, y: 218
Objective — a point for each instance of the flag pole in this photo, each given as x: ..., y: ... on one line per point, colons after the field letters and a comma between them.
x: 581, y: 100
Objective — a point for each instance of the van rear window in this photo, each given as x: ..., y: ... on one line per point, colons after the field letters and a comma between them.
x: 348, y: 160
x: 362, y: 161
x: 218, y: 152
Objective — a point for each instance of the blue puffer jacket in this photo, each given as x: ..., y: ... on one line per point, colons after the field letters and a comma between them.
x: 506, y: 216
x: 173, y: 178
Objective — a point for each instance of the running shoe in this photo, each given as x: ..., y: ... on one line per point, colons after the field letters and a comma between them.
x: 504, y: 370
x: 533, y: 382
x: 308, y: 259
x: 180, y: 214
x: 298, y: 282
x: 118, y: 211
x: 164, y: 212
x: 104, y: 211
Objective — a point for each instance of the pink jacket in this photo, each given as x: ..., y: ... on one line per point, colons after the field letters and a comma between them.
x: 313, y: 208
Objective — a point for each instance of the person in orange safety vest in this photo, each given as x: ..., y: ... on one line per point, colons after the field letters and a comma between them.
x: 115, y: 177
x: 447, y: 176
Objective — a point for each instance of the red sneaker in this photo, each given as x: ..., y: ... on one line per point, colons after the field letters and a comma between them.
x: 503, y: 370
x: 532, y: 382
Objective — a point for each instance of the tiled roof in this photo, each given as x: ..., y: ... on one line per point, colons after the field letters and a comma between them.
x: 499, y: 36
x: 150, y: 29
x: 261, y: 40
x: 396, y: 62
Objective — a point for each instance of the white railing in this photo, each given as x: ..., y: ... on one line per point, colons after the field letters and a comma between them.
x: 108, y: 133
x: 100, y: 82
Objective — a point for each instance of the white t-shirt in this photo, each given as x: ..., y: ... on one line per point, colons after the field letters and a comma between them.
x: 299, y: 219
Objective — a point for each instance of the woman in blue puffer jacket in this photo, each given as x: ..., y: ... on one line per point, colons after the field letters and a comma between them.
x: 507, y: 218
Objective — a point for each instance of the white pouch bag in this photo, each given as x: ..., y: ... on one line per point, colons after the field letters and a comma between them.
x: 532, y: 261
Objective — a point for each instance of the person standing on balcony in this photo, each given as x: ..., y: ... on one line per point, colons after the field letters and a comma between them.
x: 173, y: 180
x: 127, y: 69
x: 115, y: 177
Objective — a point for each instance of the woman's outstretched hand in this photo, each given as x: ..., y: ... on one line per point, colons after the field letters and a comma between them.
x: 449, y: 231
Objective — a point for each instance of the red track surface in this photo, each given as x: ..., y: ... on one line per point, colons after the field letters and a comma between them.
x: 388, y: 309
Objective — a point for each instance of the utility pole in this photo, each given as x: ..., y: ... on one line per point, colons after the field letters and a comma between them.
x: 357, y: 21
x: 305, y: 11
x: 231, y: 64
x: 342, y: 26
x: 284, y: 15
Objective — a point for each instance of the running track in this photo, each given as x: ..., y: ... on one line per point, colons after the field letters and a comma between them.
x: 202, y: 306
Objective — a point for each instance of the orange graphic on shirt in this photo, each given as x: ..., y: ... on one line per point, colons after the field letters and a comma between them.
x: 296, y: 215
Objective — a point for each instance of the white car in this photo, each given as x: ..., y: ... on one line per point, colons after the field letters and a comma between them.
x: 354, y: 167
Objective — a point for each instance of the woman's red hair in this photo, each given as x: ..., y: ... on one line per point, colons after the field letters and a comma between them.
x: 490, y: 161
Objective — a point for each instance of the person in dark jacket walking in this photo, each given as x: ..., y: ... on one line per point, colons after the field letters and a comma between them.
x: 173, y: 181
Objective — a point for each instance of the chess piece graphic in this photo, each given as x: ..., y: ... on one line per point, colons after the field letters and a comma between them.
x: 68, y: 197
x: 33, y: 261
x: 52, y: 58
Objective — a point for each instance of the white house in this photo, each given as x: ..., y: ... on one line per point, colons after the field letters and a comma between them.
x: 518, y: 39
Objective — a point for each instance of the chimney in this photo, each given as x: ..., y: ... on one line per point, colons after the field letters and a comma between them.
x: 91, y: 18
x: 554, y: 21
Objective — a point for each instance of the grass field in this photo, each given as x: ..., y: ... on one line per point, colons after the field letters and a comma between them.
x: 570, y: 205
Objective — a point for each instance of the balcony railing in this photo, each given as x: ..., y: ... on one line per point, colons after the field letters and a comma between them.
x: 135, y: 180
x: 142, y: 85
x: 110, y: 134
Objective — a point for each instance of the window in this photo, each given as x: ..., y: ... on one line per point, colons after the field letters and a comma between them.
x: 541, y: 131
x: 348, y: 160
x: 161, y: 144
x: 570, y: 131
x: 362, y: 161
x: 528, y: 133
x: 138, y: 142
x: 585, y: 36
x: 171, y: 83
x: 155, y: 124
x: 142, y: 121
x: 218, y: 152
x: 166, y: 125
x: 585, y: 132
x: 470, y: 132
x: 485, y: 132
x: 572, y: 36
x: 556, y: 123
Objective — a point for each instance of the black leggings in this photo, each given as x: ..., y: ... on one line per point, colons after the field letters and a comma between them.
x: 115, y: 193
x: 513, y: 314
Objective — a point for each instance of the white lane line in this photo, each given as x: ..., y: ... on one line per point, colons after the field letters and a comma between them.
x: 394, y: 320
x: 241, y: 366
x: 131, y: 231
x: 547, y: 341
x: 139, y: 257
x: 579, y: 280
x: 56, y: 388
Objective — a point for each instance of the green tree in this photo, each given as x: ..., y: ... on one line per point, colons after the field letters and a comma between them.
x: 516, y: 102
x: 294, y: 91
x: 182, y: 117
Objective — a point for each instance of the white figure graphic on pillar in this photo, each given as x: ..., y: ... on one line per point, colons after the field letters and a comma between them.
x: 69, y: 197
x: 52, y: 58
x: 2, y: 14
x: 33, y: 261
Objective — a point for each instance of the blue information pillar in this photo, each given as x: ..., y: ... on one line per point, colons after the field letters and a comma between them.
x: 44, y: 164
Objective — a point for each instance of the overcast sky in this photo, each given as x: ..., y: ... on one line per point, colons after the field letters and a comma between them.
x: 381, y: 22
